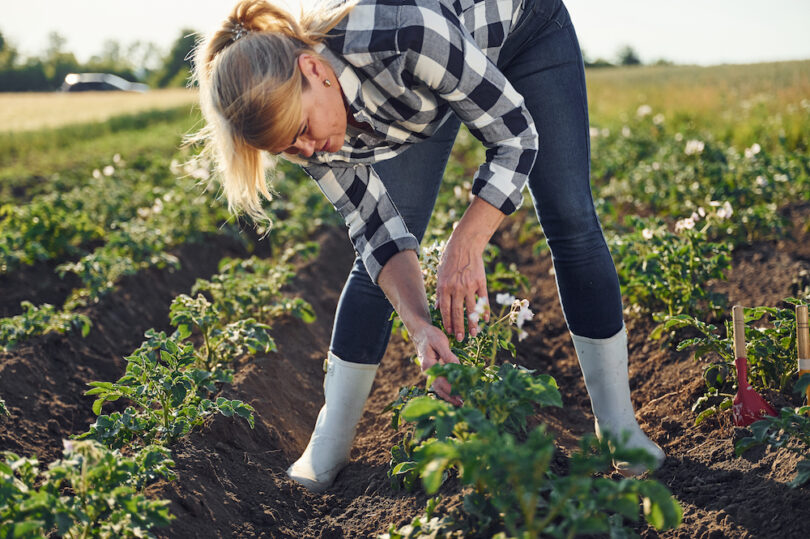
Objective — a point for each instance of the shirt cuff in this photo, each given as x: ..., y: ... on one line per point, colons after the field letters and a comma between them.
x: 508, y: 204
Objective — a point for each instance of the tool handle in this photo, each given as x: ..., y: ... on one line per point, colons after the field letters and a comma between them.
x: 802, y: 332
x: 739, y: 331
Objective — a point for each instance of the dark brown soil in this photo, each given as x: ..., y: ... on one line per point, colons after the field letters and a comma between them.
x: 231, y: 479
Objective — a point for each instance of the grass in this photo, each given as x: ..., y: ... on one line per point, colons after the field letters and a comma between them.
x: 35, y: 162
x: 32, y: 111
x: 767, y: 103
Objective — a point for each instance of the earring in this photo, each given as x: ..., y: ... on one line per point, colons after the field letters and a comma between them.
x: 327, y: 83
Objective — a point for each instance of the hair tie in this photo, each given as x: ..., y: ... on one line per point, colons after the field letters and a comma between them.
x: 238, y: 31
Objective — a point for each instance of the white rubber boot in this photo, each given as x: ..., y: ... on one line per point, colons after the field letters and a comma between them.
x: 604, y: 366
x: 346, y: 387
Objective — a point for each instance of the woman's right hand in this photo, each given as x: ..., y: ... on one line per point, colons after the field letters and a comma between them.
x: 433, y: 347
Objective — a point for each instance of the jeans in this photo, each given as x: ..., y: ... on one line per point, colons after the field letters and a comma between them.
x: 542, y: 59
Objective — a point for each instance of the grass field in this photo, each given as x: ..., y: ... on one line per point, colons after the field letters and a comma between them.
x: 30, y: 111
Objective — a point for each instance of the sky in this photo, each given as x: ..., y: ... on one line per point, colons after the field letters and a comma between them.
x: 702, y: 32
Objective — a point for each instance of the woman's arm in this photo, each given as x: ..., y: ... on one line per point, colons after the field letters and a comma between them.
x: 401, y: 280
x: 461, y: 272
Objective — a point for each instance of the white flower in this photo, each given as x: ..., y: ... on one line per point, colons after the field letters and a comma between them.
x: 725, y: 212
x: 504, y: 299
x: 678, y: 137
x: 656, y: 165
x: 108, y: 170
x: 761, y: 181
x: 68, y: 446
x: 647, y: 234
x: 522, y: 335
x: 626, y: 131
x: 658, y: 119
x: 594, y: 132
x: 458, y: 192
x: 701, y: 211
x: 96, y: 173
x: 520, y: 312
x: 695, y: 216
x: 644, y: 110
x: 480, y: 308
x: 684, y: 224
x: 714, y: 203
x: 694, y: 147
x: 117, y: 158
x: 780, y: 178
x: 752, y: 151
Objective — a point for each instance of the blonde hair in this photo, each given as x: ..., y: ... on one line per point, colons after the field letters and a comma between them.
x: 250, y: 92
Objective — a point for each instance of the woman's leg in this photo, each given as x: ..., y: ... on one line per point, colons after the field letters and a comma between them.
x: 362, y: 321
x: 548, y: 71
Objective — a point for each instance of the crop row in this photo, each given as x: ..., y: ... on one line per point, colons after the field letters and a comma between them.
x: 488, y: 446
x: 169, y: 382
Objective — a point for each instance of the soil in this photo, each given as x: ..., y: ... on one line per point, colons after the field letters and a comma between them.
x: 231, y: 479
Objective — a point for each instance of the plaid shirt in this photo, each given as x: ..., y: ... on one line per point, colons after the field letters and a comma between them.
x: 404, y: 67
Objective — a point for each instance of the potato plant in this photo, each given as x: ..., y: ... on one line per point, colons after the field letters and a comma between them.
x: 790, y: 429
x: 168, y: 392
x: 38, y: 320
x: 104, y: 493
x: 771, y: 350
x: 486, y: 442
x: 663, y: 273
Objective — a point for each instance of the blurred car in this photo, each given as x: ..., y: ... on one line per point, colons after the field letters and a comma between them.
x: 85, y: 82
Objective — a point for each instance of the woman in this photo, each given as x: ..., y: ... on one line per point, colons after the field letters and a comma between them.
x: 368, y: 96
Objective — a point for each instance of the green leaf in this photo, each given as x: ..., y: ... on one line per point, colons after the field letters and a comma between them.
x: 97, y: 404
x: 802, y: 474
x: 432, y: 475
x: 661, y: 509
x: 23, y: 529
x: 422, y: 407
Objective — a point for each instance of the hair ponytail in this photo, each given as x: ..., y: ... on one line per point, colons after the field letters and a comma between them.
x: 250, y: 92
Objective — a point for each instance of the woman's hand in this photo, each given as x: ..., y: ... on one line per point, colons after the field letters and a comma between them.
x: 461, y: 271
x: 461, y: 277
x: 433, y: 347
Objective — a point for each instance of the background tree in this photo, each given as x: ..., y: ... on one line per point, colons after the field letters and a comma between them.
x: 176, y: 67
x: 628, y: 57
x: 57, y: 62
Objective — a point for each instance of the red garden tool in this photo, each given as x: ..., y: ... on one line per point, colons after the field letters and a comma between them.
x: 803, y: 342
x: 748, y: 405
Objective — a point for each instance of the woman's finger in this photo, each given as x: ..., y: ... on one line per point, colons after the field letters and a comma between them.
x: 457, y: 311
x: 445, y: 309
x: 472, y: 319
x: 442, y: 388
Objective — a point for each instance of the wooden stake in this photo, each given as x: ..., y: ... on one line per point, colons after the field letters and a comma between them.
x: 803, y: 342
x: 739, y: 331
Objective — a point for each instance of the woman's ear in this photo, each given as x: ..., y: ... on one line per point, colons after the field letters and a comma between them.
x: 310, y: 66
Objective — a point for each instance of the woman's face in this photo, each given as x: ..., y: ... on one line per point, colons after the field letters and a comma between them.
x: 323, y: 121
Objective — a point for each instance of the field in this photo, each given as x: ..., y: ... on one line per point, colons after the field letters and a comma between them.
x: 204, y: 341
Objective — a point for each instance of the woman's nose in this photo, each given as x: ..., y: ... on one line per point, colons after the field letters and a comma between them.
x: 306, y: 146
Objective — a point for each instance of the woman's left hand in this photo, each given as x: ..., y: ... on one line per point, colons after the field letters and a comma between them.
x: 461, y: 278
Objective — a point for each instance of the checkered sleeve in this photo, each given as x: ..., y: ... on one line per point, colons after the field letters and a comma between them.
x: 376, y: 227
x: 439, y: 52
